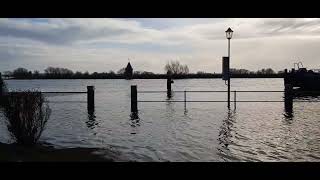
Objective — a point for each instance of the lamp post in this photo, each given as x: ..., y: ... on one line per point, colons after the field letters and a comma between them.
x: 229, y: 33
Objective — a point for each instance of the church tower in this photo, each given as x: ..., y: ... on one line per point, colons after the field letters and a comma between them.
x: 128, y: 71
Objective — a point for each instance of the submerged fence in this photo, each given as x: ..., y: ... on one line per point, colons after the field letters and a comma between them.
x: 288, y: 97
x: 89, y: 92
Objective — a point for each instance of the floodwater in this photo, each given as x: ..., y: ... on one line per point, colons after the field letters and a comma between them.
x: 171, y: 131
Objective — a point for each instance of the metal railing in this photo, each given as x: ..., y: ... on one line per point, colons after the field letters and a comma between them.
x: 287, y: 99
x: 89, y: 92
x: 235, y: 96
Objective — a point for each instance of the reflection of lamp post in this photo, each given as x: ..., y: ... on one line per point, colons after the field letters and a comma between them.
x: 229, y: 33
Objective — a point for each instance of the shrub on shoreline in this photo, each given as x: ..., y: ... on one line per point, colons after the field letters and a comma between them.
x: 26, y: 114
x: 3, y: 90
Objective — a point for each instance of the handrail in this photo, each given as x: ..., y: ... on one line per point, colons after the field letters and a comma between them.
x: 224, y: 91
x: 204, y: 91
x: 185, y: 101
x: 76, y: 92
x: 221, y: 101
x: 65, y: 92
x: 288, y: 97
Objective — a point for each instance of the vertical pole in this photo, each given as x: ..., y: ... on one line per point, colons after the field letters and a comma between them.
x: 134, y: 99
x: 285, y: 76
x: 90, y: 98
x: 288, y: 98
x: 185, y: 99
x: 229, y: 74
x: 235, y: 99
x: 169, y: 81
x: 168, y: 85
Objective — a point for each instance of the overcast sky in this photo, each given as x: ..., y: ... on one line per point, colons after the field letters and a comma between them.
x: 107, y: 44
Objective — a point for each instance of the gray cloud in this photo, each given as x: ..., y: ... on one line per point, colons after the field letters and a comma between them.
x: 291, y: 26
x: 68, y: 32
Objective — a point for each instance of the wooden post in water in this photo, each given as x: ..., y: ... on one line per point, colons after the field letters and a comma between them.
x: 288, y: 98
x: 134, y: 99
x: 185, y: 99
x: 169, y: 81
x: 235, y: 99
x: 90, y: 98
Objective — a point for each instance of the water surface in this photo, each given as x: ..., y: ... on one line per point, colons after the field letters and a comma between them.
x: 168, y: 131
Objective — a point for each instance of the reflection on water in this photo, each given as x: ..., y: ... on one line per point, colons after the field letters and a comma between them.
x: 288, y: 106
x: 91, y: 123
x: 185, y: 110
x: 134, y: 116
x: 170, y: 95
x: 225, y: 130
x: 134, y: 122
x: 288, y: 112
x: 225, y: 134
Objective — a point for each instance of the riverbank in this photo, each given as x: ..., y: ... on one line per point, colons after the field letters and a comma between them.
x: 16, y: 153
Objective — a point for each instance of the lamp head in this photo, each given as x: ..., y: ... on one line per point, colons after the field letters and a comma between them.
x: 229, y: 33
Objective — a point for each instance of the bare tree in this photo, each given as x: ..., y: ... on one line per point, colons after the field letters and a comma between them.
x: 176, y: 68
x: 266, y: 71
x: 121, y: 71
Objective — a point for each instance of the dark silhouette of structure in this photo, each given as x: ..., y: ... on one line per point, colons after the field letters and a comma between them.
x: 302, y: 78
x: 128, y: 71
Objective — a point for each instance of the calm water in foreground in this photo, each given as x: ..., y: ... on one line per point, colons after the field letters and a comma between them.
x: 167, y: 131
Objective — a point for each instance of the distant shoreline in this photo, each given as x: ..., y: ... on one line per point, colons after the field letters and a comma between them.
x: 164, y: 76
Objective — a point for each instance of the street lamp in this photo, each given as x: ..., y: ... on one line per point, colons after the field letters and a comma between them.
x: 229, y: 33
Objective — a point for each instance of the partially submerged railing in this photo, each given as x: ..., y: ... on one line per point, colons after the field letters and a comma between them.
x: 288, y: 99
x: 89, y: 92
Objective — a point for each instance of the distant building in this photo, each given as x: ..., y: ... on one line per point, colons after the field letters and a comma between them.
x: 128, y: 71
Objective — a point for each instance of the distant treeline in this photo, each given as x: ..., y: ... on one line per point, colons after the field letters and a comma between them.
x: 64, y: 73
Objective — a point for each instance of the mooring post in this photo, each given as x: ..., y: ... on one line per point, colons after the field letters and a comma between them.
x: 169, y: 82
x: 90, y: 98
x: 168, y: 85
x: 288, y: 98
x: 185, y: 99
x: 134, y: 99
x: 235, y: 99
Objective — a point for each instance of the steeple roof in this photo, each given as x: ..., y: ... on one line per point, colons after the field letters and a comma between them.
x: 129, y: 66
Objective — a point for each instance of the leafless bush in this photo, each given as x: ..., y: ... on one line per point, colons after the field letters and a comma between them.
x: 176, y: 68
x: 26, y: 114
